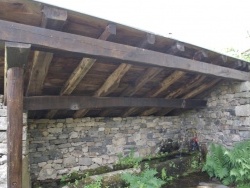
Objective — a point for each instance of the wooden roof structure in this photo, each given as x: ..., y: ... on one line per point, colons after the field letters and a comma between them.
x: 80, y: 66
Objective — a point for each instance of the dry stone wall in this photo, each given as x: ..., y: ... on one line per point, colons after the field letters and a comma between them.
x: 58, y: 147
x: 226, y: 120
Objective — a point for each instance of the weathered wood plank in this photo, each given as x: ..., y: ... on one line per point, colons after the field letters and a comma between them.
x: 15, y: 126
x: 176, y: 93
x: 85, y: 65
x: 16, y: 56
x: 53, y: 18
x: 114, y: 79
x: 177, y: 48
x: 79, y: 102
x: 122, y: 53
x: 167, y: 82
x: 108, y: 86
x: 82, y: 69
x: 193, y: 93
x: 141, y: 81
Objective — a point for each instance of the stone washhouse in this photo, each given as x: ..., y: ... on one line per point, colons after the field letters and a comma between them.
x: 77, y: 90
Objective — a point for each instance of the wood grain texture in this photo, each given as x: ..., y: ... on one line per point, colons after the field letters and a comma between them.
x: 98, y: 48
x: 82, y: 69
x: 15, y: 126
x: 16, y: 55
x: 53, y: 18
x: 79, y: 102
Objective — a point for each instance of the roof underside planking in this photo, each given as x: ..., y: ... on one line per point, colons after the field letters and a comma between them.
x: 101, y: 64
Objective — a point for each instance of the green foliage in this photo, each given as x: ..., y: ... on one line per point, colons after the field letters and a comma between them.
x: 129, y: 160
x: 235, y: 53
x: 146, y: 179
x: 231, y: 166
x: 165, y: 177
x: 96, y: 184
x: 72, y: 177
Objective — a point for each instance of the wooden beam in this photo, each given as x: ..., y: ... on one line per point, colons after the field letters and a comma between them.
x: 114, y: 79
x: 177, y: 48
x: 16, y: 56
x: 45, y: 38
x: 79, y: 102
x: 149, y: 74
x: 194, y: 93
x: 167, y: 82
x: 14, y: 52
x: 53, y: 18
x: 176, y: 93
x: 82, y: 69
x: 85, y: 64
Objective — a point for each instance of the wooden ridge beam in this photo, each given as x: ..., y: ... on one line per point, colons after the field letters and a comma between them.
x: 40, y: 37
x: 53, y: 18
x: 113, y: 81
x: 16, y: 56
x: 82, y: 69
x: 79, y: 102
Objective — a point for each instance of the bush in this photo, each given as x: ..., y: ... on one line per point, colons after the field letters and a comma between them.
x: 146, y: 179
x: 231, y: 166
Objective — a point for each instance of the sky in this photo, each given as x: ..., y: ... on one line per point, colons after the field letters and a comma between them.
x: 212, y: 24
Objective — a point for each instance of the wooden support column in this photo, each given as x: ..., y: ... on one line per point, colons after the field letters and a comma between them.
x: 16, y: 56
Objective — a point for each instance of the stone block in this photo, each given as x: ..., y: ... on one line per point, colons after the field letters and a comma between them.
x: 97, y: 160
x: 47, y: 174
x: 3, y: 137
x: 69, y: 161
x: 55, y: 130
x: 245, y: 86
x: 243, y: 110
x: 3, y: 112
x: 3, y: 123
x: 85, y: 161
x: 3, y: 148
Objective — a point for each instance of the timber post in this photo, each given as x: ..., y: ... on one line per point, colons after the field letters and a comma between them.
x: 16, y: 56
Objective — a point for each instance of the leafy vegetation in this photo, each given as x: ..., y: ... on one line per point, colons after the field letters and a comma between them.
x: 146, y: 179
x: 96, y: 184
x: 129, y: 160
x: 231, y: 166
x: 236, y: 53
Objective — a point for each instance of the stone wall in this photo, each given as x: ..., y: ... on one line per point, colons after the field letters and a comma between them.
x: 62, y: 146
x: 3, y: 144
x: 3, y: 148
x: 226, y: 119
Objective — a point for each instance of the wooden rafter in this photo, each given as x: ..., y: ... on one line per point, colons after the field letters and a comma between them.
x: 82, y: 69
x: 53, y: 18
x: 167, y: 82
x: 194, y: 93
x: 40, y: 37
x: 195, y: 82
x: 79, y: 102
x: 177, y: 48
x: 114, y: 79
